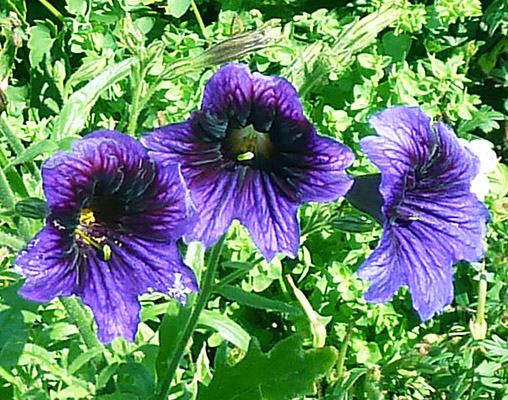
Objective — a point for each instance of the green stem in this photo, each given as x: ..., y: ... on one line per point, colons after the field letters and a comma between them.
x: 198, y: 18
x: 18, y: 12
x: 16, y: 146
x: 136, y: 96
x: 11, y: 241
x: 478, y: 324
x: 78, y: 316
x: 233, y: 276
x: 190, y: 326
x: 343, y: 351
x: 51, y: 9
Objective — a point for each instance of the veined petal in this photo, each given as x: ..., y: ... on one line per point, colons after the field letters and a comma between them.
x: 251, y: 131
x: 320, y: 172
x: 136, y: 266
x: 216, y: 203
x: 269, y: 217
x: 100, y: 165
x: 49, y: 264
x: 432, y: 220
x: 228, y: 94
x: 165, y: 211
x: 115, y: 217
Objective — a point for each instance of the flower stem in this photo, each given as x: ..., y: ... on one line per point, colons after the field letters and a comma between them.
x: 206, y: 289
x: 51, y: 9
x: 139, y: 73
x: 79, y: 318
x: 198, y: 18
x: 478, y: 325
x: 343, y: 351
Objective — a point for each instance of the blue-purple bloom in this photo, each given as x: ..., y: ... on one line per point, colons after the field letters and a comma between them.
x: 111, y: 234
x: 251, y: 154
x: 430, y: 217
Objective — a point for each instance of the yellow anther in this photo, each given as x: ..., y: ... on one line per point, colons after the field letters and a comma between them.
x: 95, y: 242
x: 87, y: 217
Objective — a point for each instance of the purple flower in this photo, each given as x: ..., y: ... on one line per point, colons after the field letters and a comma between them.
x: 111, y: 234
x: 251, y: 154
x: 431, y: 218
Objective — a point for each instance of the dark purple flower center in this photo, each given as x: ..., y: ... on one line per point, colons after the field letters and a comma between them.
x: 248, y: 146
x: 92, y: 229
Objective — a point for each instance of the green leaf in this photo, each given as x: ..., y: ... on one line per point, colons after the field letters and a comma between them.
x: 169, y: 334
x: 76, y: 7
x: 286, y: 372
x: 45, y: 146
x: 72, y: 392
x: 105, y: 375
x: 40, y: 43
x: 342, y: 387
x: 75, y: 112
x: 396, y: 46
x: 84, y: 358
x: 226, y: 327
x: 177, y: 8
x: 239, y: 295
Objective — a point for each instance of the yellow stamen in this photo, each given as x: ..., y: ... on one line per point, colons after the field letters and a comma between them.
x: 95, y: 242
x: 87, y: 217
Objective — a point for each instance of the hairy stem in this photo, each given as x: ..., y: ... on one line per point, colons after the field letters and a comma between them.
x: 78, y: 316
x: 206, y: 290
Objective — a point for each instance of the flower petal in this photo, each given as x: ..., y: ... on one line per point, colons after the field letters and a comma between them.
x: 432, y: 220
x: 165, y: 211
x: 136, y: 266
x: 49, y: 264
x: 251, y: 154
x: 404, y: 258
x: 228, y: 94
x: 269, y: 216
x: 100, y: 165
x: 320, y: 172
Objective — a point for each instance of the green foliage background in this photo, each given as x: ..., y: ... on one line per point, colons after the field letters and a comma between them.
x: 70, y: 67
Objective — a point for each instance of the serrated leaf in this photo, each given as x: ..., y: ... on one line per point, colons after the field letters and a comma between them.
x: 239, y: 295
x: 287, y: 371
x: 226, y: 327
x: 75, y: 112
x: 177, y: 8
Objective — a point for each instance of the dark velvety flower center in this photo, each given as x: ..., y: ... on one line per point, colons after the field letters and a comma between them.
x: 91, y: 230
x: 248, y: 146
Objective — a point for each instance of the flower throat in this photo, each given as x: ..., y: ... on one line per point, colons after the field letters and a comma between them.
x: 247, y: 145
